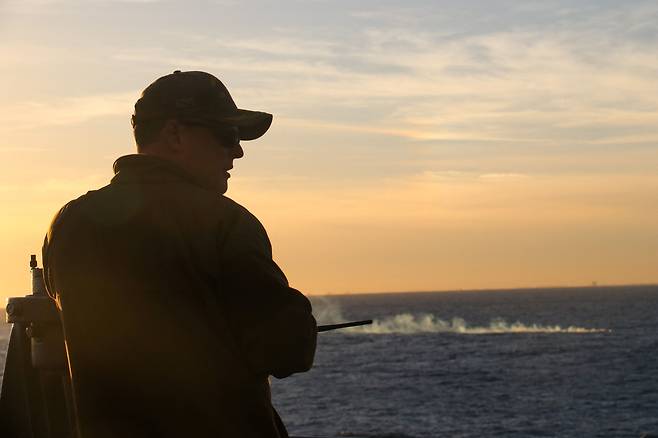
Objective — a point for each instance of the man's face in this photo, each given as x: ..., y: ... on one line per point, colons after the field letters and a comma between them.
x: 208, y: 156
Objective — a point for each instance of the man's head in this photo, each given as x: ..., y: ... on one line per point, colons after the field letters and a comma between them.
x: 190, y: 118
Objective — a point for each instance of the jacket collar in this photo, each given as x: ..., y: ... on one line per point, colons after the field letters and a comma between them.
x: 141, y: 168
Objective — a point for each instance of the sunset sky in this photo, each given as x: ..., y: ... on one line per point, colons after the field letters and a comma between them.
x: 416, y: 145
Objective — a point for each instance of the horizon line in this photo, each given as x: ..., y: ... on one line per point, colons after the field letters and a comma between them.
x: 484, y: 290
x: 477, y: 290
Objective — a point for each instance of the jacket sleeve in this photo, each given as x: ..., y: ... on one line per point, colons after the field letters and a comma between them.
x: 273, y: 322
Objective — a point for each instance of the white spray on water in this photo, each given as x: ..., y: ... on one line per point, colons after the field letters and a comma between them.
x: 407, y: 323
x: 327, y: 311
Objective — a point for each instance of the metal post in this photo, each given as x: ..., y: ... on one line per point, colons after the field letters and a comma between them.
x: 35, y: 395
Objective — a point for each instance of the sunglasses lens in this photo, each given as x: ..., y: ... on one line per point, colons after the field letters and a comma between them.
x: 227, y: 136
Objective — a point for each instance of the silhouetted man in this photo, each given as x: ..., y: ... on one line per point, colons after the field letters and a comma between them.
x: 173, y: 310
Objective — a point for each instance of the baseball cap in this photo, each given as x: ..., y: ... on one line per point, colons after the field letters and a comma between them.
x: 197, y: 97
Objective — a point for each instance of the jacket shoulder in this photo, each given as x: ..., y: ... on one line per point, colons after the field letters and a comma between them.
x: 71, y: 208
x: 243, y: 215
x: 247, y: 233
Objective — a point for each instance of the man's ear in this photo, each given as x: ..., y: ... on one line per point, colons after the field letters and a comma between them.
x: 172, y: 137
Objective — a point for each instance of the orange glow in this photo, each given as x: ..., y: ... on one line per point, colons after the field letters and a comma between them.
x: 400, y: 158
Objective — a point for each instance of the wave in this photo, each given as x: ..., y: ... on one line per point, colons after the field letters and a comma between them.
x: 406, y: 323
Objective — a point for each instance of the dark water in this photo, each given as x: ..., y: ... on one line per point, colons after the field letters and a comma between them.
x: 537, y: 363
x: 579, y: 363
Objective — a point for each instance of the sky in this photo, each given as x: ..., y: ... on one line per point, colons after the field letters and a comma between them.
x: 416, y: 145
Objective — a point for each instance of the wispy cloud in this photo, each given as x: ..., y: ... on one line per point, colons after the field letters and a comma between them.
x: 27, y: 115
x: 528, y: 86
x: 533, y: 86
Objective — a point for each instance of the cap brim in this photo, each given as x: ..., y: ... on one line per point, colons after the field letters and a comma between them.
x: 251, y: 124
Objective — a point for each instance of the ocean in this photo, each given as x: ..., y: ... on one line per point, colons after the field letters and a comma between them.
x: 532, y: 363
x: 576, y: 362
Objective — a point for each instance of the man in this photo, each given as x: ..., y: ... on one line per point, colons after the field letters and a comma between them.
x: 174, y: 312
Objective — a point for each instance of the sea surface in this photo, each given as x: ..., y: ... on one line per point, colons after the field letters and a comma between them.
x: 577, y: 362
x: 533, y: 363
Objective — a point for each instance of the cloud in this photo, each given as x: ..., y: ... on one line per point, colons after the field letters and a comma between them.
x: 76, y: 110
x: 70, y: 185
x: 503, y: 176
x: 35, y: 7
x: 524, y: 86
x: 583, y: 80
x: 449, y: 199
x: 35, y: 3
x: 286, y: 46
x: 21, y: 149
x: 129, y: 1
x: 44, y: 5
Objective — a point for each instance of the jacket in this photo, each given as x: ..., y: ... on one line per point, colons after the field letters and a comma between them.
x: 173, y: 310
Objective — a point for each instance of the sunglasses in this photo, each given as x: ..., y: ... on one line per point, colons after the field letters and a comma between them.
x: 227, y: 136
